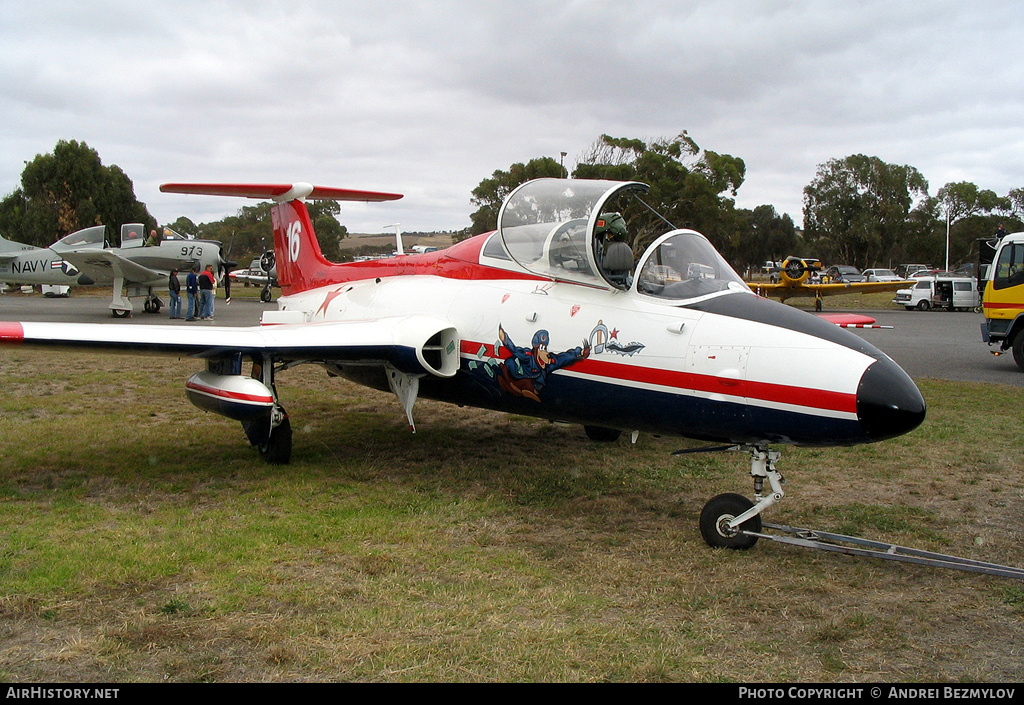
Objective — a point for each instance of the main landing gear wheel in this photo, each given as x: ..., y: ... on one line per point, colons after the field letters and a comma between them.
x: 715, y: 518
x: 278, y: 448
x: 120, y: 313
x: 265, y: 295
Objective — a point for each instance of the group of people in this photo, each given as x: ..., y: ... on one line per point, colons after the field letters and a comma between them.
x: 200, y: 289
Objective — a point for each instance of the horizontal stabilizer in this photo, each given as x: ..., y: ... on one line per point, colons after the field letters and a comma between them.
x: 281, y: 192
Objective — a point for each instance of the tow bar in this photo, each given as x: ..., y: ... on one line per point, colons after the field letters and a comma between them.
x: 825, y: 541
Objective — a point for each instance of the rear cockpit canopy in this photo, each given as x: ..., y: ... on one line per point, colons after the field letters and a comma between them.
x: 590, y: 231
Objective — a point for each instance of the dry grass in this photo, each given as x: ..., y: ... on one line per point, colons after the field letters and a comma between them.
x: 144, y: 541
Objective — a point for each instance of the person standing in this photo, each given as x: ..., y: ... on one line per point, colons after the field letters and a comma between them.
x: 207, y: 285
x: 174, y: 289
x: 192, y: 292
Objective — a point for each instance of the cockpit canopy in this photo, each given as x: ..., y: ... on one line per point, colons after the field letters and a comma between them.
x: 88, y: 238
x: 590, y: 232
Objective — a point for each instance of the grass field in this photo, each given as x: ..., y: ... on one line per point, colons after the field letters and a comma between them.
x: 145, y: 541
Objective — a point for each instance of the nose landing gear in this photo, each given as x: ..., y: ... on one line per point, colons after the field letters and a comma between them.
x: 733, y: 521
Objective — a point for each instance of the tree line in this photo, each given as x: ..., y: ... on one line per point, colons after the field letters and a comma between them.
x: 857, y: 210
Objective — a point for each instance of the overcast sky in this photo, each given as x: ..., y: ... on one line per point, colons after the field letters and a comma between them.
x: 429, y: 98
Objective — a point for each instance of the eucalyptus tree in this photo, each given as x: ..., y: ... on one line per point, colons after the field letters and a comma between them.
x: 962, y: 203
x: 691, y: 187
x: 858, y: 208
x: 68, y: 190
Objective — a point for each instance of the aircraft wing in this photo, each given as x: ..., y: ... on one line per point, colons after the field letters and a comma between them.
x: 411, y: 344
x: 104, y: 265
x: 785, y: 290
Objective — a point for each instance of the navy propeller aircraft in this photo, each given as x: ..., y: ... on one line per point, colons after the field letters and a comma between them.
x: 796, y: 278
x: 552, y: 315
x: 139, y: 267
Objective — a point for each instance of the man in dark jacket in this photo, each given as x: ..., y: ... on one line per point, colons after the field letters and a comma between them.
x: 192, y: 292
x: 174, y: 289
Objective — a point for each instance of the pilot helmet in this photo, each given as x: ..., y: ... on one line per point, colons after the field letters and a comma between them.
x: 611, y: 225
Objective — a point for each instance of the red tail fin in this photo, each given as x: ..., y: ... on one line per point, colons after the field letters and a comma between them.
x: 300, y: 263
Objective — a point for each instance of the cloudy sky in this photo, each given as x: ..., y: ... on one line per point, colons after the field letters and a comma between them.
x: 429, y: 98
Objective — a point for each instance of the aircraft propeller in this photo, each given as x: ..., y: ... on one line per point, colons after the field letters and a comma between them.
x: 796, y: 269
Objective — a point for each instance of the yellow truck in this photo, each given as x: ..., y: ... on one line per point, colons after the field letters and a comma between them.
x: 1003, y: 300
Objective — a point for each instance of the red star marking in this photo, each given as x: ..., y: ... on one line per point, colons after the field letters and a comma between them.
x: 331, y: 296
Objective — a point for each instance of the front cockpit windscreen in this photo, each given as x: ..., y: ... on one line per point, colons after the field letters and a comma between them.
x: 169, y: 234
x: 684, y: 265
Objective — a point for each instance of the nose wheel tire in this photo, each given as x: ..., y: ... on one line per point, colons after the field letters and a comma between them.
x: 715, y: 518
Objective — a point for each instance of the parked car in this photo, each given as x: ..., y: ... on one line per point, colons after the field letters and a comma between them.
x: 952, y: 293
x: 51, y: 291
x: 843, y: 273
x: 880, y: 275
x: 907, y: 270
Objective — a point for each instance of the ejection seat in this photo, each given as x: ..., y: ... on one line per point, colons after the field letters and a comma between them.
x: 617, y: 263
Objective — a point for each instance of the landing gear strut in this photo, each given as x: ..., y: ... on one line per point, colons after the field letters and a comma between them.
x: 727, y: 518
x: 273, y: 441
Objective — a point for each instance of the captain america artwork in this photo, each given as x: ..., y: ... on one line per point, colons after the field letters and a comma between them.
x: 524, y: 373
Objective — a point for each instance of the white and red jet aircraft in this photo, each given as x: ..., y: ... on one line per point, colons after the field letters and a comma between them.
x: 551, y: 316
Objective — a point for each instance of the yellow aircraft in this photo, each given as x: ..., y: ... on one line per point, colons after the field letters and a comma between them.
x: 796, y: 277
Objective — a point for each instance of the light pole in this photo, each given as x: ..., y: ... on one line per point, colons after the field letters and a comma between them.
x: 947, y: 237
x: 561, y: 166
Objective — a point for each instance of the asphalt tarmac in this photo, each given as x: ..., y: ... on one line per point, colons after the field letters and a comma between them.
x: 936, y: 344
x: 940, y: 345
x: 93, y: 308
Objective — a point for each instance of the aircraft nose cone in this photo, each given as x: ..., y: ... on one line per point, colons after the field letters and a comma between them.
x: 889, y: 404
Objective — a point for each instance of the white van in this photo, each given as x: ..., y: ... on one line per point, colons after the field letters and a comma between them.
x: 952, y: 293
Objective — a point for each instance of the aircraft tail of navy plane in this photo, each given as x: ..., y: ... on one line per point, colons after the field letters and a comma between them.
x: 9, y: 246
x: 557, y: 314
